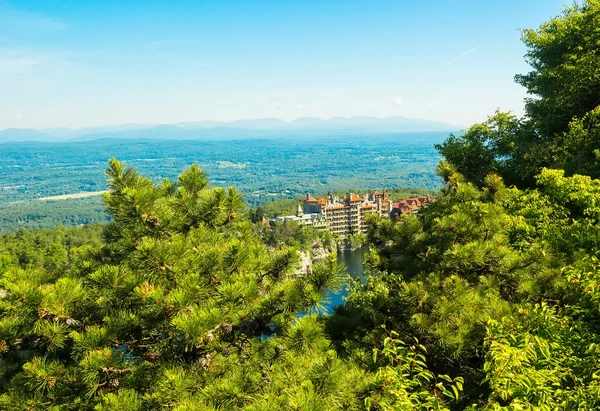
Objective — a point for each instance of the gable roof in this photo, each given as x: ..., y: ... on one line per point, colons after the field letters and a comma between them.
x: 310, y: 199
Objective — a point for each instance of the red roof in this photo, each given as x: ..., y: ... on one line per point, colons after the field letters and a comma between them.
x: 354, y: 197
x: 310, y: 199
x: 368, y: 206
x: 377, y: 193
x: 322, y: 201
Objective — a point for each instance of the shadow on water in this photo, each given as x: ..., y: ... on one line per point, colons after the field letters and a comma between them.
x: 353, y: 260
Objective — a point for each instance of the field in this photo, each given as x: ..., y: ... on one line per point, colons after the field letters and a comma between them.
x: 72, y: 196
x: 264, y: 170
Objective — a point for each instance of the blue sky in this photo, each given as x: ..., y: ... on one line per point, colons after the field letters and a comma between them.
x: 89, y: 62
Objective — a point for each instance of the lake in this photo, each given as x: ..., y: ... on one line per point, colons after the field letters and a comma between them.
x: 353, y: 261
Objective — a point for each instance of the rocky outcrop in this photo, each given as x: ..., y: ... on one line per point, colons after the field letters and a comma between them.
x: 309, y: 257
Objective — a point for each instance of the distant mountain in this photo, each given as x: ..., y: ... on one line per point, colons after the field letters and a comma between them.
x: 308, y: 122
x: 64, y: 133
x: 374, y: 124
x: 24, y: 134
x: 260, y: 124
x: 202, y: 124
x: 240, y: 129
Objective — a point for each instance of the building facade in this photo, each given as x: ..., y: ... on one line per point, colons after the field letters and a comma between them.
x: 408, y: 206
x: 341, y: 216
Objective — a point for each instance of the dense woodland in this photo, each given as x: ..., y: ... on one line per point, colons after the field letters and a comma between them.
x: 35, y: 214
x: 487, y: 299
x: 30, y: 171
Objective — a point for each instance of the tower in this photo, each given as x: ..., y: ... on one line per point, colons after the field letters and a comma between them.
x: 299, y: 212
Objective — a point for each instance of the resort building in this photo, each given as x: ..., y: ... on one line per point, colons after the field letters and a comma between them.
x: 409, y: 206
x: 342, y: 216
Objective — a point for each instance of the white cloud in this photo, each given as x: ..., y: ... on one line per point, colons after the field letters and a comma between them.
x: 16, y: 65
x: 398, y: 101
x: 455, y: 59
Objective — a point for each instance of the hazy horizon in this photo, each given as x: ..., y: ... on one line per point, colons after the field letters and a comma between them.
x: 240, y: 120
x: 91, y: 64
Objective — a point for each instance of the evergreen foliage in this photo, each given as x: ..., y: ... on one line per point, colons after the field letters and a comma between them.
x: 560, y: 128
x: 498, y: 283
x: 181, y: 307
x: 488, y: 298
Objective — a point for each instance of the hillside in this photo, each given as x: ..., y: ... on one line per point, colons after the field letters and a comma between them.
x: 240, y: 129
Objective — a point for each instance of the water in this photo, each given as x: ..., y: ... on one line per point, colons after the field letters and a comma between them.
x: 353, y: 261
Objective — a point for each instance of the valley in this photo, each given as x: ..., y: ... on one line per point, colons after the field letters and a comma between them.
x: 64, y: 174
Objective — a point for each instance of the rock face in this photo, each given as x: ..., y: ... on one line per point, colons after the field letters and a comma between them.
x: 308, y: 257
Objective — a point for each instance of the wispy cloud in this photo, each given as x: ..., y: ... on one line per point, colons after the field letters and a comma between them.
x: 13, y: 19
x: 16, y: 65
x: 455, y: 59
x: 14, y: 61
x: 24, y: 63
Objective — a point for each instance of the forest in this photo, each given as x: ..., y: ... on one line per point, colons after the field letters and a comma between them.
x: 487, y: 299
x: 30, y: 171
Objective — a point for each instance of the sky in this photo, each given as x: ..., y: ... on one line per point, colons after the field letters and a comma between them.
x: 80, y: 63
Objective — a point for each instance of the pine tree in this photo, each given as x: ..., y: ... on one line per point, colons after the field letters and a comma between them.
x: 182, y: 307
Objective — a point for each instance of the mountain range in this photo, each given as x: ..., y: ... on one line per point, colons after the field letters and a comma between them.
x: 240, y: 129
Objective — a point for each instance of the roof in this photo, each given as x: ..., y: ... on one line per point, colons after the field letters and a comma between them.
x: 377, y: 193
x: 368, y: 206
x: 322, y: 201
x: 310, y: 199
x: 354, y: 198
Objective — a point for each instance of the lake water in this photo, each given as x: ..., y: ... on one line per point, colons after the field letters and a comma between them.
x: 353, y: 261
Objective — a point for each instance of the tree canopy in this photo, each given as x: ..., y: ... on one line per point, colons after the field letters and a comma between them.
x: 560, y: 126
x: 488, y: 298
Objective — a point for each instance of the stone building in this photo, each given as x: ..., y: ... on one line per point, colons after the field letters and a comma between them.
x: 341, y: 216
